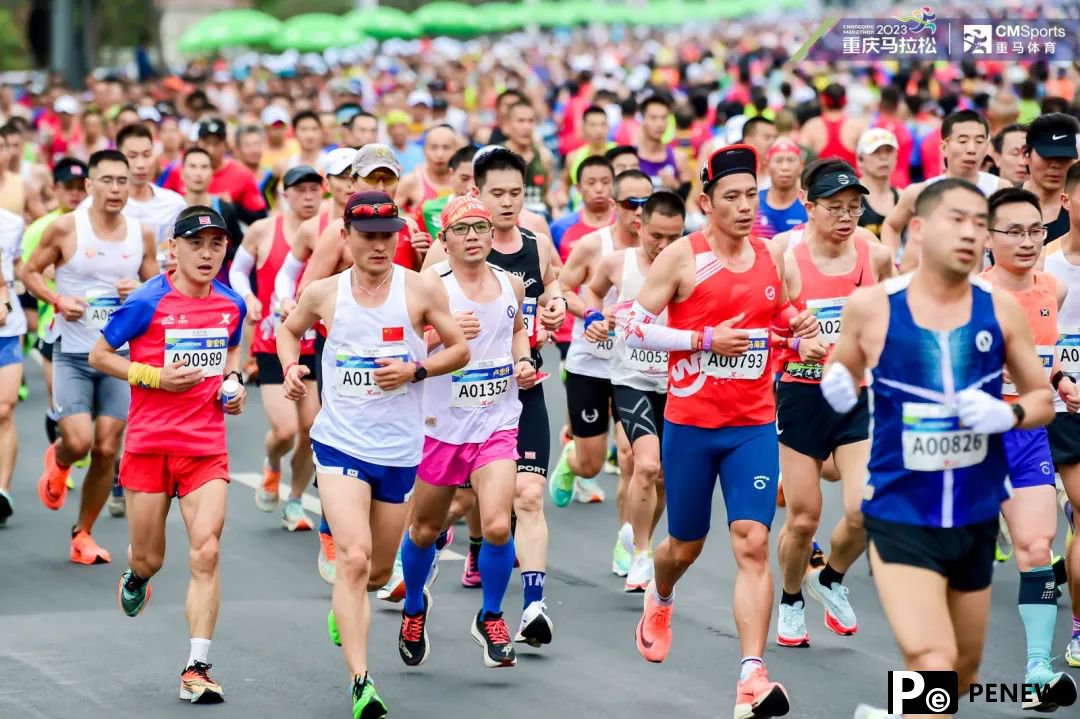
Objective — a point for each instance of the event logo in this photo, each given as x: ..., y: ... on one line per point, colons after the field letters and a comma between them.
x: 921, y: 20
x: 978, y: 39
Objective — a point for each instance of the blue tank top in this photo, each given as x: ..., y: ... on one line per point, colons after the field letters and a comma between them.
x: 925, y: 469
x: 771, y: 221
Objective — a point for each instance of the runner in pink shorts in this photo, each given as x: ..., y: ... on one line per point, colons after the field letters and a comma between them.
x: 470, y: 426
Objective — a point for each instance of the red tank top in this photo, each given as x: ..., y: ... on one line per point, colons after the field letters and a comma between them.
x: 834, y: 148
x: 825, y: 295
x: 708, y: 390
x: 265, y: 339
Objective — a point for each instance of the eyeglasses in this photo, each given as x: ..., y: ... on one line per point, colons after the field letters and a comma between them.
x: 386, y: 177
x: 1034, y: 233
x: 109, y: 180
x: 632, y: 203
x: 462, y: 229
x: 839, y: 212
x: 381, y: 209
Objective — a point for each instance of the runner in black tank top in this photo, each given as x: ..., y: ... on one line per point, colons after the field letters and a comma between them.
x: 1058, y: 227
x: 525, y: 263
x: 872, y: 220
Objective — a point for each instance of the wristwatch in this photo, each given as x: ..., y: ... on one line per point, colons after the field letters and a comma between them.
x: 238, y: 375
x: 1019, y: 413
x: 420, y: 374
x: 7, y: 305
x: 530, y: 360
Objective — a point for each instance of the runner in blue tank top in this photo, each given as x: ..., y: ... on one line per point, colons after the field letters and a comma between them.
x: 935, y: 342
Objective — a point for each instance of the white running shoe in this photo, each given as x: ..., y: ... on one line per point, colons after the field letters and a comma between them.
x: 293, y: 517
x: 587, y: 491
x: 394, y: 590
x: 536, y: 627
x: 839, y: 616
x: 641, y: 572
x: 791, y: 626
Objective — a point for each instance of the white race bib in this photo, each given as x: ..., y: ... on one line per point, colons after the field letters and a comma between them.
x: 933, y: 439
x: 828, y: 317
x: 601, y: 350
x: 205, y: 349
x: 482, y: 383
x: 99, y: 310
x: 356, y: 371
x: 747, y: 366
x: 649, y: 362
x: 1068, y: 350
x: 528, y: 315
x: 1046, y: 356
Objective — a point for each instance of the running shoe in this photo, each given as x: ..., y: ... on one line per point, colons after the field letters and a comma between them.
x: 6, y: 507
x: 490, y: 632
x: 611, y: 465
x: 564, y: 435
x: 84, y: 550
x: 79, y: 464
x: 367, y: 704
x: 839, y: 616
x: 71, y: 480
x: 561, y: 482
x: 470, y: 578
x: 781, y: 501
x: 394, y: 589
x: 623, y: 553
x: 1004, y: 550
x: 817, y: 557
x: 1072, y: 652
x: 293, y: 516
x: 24, y: 391
x: 758, y: 697
x: 132, y: 594
x: 865, y: 711
x: 331, y: 628
x: 791, y: 626
x: 197, y: 687
x: 327, y: 558
x: 413, y: 647
x: 1055, y: 689
x: 640, y: 574
x: 117, y: 504
x: 653, y: 633
x: 587, y: 491
x: 267, y: 496
x: 52, y: 485
x: 1061, y: 573
x: 1068, y: 510
x: 536, y: 627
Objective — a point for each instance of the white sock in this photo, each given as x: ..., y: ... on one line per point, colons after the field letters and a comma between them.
x: 749, y: 664
x: 626, y: 535
x: 661, y: 600
x: 200, y: 651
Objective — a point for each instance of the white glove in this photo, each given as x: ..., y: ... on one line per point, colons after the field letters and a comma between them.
x: 984, y: 413
x: 839, y: 389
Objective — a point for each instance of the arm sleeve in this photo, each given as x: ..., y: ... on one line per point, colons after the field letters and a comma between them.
x: 242, y: 264
x: 642, y: 331
x: 287, y: 277
x: 237, y: 334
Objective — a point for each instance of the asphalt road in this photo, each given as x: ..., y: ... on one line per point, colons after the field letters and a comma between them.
x: 66, y: 650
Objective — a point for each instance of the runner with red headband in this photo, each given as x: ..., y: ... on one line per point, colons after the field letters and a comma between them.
x: 779, y: 208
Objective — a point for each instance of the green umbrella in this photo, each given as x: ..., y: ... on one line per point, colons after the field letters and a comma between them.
x: 506, y: 16
x: 384, y: 23
x: 230, y: 28
x: 449, y: 18
x: 608, y: 13
x: 560, y: 14
x: 316, y: 32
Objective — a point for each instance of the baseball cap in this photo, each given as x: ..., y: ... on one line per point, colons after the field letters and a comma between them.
x: 339, y: 160
x: 729, y: 160
x: 874, y: 139
x: 373, y: 211
x: 397, y: 117
x: 66, y: 104
x: 69, y: 168
x: 212, y: 127
x: 461, y: 207
x: 420, y: 97
x: 371, y: 157
x: 197, y: 218
x: 1053, y: 139
x: 300, y: 173
x: 149, y: 112
x: 831, y: 183
x: 274, y: 115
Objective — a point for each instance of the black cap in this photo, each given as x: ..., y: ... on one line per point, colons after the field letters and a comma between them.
x: 69, y: 168
x: 729, y: 160
x: 621, y: 150
x: 212, y: 127
x: 300, y: 173
x: 197, y: 218
x: 1053, y: 140
x: 831, y: 183
x: 381, y: 217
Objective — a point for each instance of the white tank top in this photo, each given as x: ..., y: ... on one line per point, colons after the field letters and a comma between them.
x: 470, y: 405
x: 986, y: 183
x: 92, y: 274
x: 1067, y: 274
x: 357, y: 417
x: 646, y: 370
x: 11, y: 231
x: 592, y: 359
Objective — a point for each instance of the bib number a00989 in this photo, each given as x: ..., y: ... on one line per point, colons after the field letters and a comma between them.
x: 933, y: 439
x: 1046, y: 357
x: 747, y: 366
x: 99, y: 309
x: 355, y: 371
x: 482, y: 383
x: 828, y: 314
x: 204, y: 349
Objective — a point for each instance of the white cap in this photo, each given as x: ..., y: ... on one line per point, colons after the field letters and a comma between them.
x: 420, y: 97
x: 875, y: 138
x: 273, y: 114
x: 66, y: 104
x: 149, y: 112
x: 338, y: 161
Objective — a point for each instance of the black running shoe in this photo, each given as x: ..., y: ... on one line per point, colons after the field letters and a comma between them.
x: 491, y: 633
x: 412, y: 638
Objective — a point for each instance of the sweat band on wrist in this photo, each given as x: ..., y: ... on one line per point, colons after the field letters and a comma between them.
x: 706, y: 340
x: 143, y: 375
x: 795, y: 344
x: 592, y: 316
x: 289, y: 367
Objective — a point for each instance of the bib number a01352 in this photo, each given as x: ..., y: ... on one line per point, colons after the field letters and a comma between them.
x: 749, y: 365
x: 99, y: 309
x: 355, y: 371
x: 1046, y: 357
x: 482, y: 383
x: 933, y: 439
x: 1068, y: 351
x: 828, y: 314
x: 204, y: 349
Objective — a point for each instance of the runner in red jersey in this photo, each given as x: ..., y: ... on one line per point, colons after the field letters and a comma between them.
x: 265, y: 248
x: 833, y: 135
x: 183, y: 329
x: 723, y: 293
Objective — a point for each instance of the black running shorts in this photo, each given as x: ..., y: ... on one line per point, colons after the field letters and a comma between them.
x: 271, y: 371
x: 807, y: 424
x: 534, y: 434
x: 963, y: 555
x: 588, y: 400
x: 641, y: 413
x: 1064, y: 433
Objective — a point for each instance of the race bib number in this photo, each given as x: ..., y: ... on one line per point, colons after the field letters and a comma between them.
x: 204, y: 349
x: 99, y: 310
x: 528, y: 315
x: 355, y: 371
x: 827, y: 313
x: 482, y: 383
x: 933, y: 439
x: 749, y: 365
x: 1068, y: 349
x: 1046, y: 356
x: 650, y: 362
x: 602, y: 350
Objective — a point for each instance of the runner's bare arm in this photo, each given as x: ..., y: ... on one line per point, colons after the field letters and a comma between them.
x: 520, y: 341
x: 306, y: 235
x: 325, y: 256
x: 603, y: 279
x: 1025, y: 367
x: 1062, y: 291
x: 792, y: 278
x: 436, y: 312
x: 149, y: 267
x: 409, y: 190
x: 897, y: 220
x: 575, y: 274
x: 435, y: 254
x: 780, y: 240
x: 850, y: 350
x: 35, y: 208
x: 881, y: 259
x: 48, y: 253
x: 553, y: 305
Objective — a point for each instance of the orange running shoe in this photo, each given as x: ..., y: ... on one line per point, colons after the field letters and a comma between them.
x: 84, y: 550
x: 653, y: 635
x: 758, y: 697
x: 52, y: 486
x: 780, y: 500
x: 267, y: 496
x: 327, y: 558
x: 197, y: 687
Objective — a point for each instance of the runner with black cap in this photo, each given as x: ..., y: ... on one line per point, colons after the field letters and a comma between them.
x: 374, y: 363
x: 1050, y: 148
x: 265, y: 248
x: 720, y: 418
x: 183, y: 329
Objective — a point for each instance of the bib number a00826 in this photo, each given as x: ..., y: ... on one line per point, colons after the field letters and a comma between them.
x: 828, y: 313
x: 1046, y: 357
x: 749, y: 365
x: 99, y: 309
x: 933, y: 439
x: 203, y: 349
x: 355, y: 371
x: 482, y: 383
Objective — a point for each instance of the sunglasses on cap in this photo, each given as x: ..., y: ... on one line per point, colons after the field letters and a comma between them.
x: 633, y: 203
x: 382, y: 209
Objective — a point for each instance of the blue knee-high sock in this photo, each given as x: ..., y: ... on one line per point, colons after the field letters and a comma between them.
x: 415, y: 565
x: 496, y: 566
x: 324, y: 528
x: 1038, y: 612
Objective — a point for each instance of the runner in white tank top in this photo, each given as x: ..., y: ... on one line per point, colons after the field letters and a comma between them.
x: 12, y: 328
x: 639, y: 377
x: 368, y: 436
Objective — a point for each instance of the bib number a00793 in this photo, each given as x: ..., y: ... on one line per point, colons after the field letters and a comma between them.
x: 933, y: 439
x: 203, y: 349
x: 99, y: 309
x: 1046, y: 357
x: 828, y: 313
x: 749, y: 365
x: 482, y: 383
x: 355, y: 371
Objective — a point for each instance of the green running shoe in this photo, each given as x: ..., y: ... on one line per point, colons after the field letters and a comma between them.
x: 1003, y: 551
x: 367, y: 704
x: 132, y: 594
x: 620, y: 559
x: 24, y: 392
x: 331, y: 627
x: 1055, y: 689
x: 561, y: 482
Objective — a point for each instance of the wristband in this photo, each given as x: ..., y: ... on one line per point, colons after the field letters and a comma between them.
x: 706, y: 339
x: 1055, y: 381
x: 593, y: 316
x: 1018, y: 411
x: 795, y: 344
x: 143, y: 375
x: 238, y: 375
x: 289, y: 367
x: 698, y: 341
